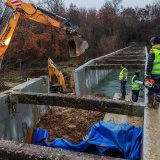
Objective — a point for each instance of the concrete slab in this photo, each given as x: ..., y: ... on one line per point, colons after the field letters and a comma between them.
x: 128, y: 97
x: 118, y: 95
x: 114, y: 66
x: 117, y: 118
x: 16, y: 151
x: 151, y: 136
x: 15, y: 119
x: 84, y: 81
x: 87, y: 103
x: 132, y: 54
x: 133, y: 120
x: 128, y: 57
x: 119, y: 61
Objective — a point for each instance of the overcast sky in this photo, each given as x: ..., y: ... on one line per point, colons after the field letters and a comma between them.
x: 98, y: 3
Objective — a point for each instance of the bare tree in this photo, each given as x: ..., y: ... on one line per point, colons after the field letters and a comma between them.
x: 56, y: 6
x: 114, y: 4
x: 1, y: 5
x: 156, y: 10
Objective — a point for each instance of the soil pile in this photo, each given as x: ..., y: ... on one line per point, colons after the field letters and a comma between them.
x: 68, y: 123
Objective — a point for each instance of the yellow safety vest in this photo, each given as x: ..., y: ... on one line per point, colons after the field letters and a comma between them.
x: 135, y: 86
x: 156, y: 63
x: 121, y: 74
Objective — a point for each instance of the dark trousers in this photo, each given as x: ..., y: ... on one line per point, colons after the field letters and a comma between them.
x: 155, y: 90
x: 123, y: 88
x: 135, y: 95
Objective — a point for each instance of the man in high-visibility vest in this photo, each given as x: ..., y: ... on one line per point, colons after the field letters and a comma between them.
x: 135, y: 86
x: 123, y: 79
x: 153, y: 72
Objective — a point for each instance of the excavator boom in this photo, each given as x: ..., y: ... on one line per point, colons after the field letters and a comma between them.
x: 7, y: 33
x: 77, y: 45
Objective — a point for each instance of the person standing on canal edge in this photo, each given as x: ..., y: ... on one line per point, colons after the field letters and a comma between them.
x: 123, y: 79
x: 153, y: 73
x: 135, y: 86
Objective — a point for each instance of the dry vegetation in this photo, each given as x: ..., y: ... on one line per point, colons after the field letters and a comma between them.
x: 108, y: 29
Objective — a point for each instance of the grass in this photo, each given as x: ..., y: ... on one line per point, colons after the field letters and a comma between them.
x: 68, y: 69
x: 15, y: 76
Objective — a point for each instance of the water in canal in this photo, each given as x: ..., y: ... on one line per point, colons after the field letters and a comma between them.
x: 111, y: 84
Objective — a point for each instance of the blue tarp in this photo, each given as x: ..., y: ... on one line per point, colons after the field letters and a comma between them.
x: 103, y: 136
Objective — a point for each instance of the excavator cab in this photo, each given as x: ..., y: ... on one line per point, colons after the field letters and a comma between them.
x: 56, y: 88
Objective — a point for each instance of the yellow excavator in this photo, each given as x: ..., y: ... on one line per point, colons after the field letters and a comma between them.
x: 56, y: 78
x: 18, y: 8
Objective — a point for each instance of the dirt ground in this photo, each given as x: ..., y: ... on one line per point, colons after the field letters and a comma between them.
x: 68, y: 123
x: 4, y: 87
x: 7, y: 85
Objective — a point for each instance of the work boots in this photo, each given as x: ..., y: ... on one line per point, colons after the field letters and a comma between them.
x: 153, y: 101
x: 122, y: 98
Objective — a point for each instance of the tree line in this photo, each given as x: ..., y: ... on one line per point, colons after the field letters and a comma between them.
x: 106, y: 30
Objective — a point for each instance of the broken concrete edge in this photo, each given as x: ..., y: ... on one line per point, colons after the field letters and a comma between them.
x: 21, y: 87
x: 10, y: 150
x: 15, y: 119
x: 113, y: 66
x: 97, y: 104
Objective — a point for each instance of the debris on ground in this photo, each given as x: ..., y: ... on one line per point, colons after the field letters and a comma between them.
x: 3, y: 87
x: 101, y: 95
x: 68, y: 123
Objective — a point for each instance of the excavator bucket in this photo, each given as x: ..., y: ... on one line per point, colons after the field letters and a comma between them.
x: 77, y: 45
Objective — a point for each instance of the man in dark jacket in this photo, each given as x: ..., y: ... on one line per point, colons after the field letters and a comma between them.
x: 153, y: 70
